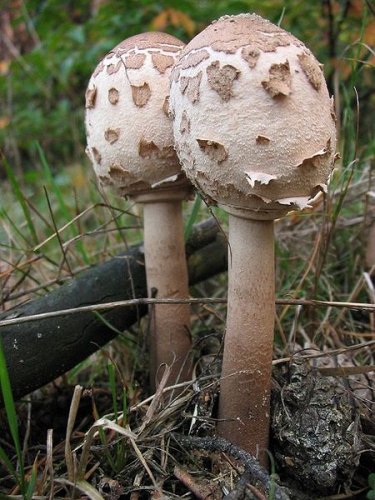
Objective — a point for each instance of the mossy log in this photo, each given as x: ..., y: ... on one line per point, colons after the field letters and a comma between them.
x: 38, y: 351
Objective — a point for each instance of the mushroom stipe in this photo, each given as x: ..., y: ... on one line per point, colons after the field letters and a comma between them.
x: 255, y: 132
x: 130, y: 144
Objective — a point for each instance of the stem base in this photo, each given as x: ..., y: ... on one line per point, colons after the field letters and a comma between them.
x: 247, y: 364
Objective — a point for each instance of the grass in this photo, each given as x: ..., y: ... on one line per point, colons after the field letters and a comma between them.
x: 54, y: 224
x: 127, y: 438
x: 13, y: 426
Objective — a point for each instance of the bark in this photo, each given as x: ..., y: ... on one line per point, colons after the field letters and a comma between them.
x: 39, y: 351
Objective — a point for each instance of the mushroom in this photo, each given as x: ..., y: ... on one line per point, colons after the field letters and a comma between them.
x: 130, y: 144
x: 255, y: 132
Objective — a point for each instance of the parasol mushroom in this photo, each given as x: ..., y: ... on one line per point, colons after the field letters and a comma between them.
x: 130, y: 144
x: 255, y: 132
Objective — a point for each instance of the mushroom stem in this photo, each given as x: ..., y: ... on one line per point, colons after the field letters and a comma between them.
x: 167, y: 277
x: 246, y: 375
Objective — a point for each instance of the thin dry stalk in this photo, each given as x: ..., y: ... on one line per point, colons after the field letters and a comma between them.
x: 356, y: 290
x: 103, y: 423
x: 201, y: 491
x: 156, y: 400
x: 49, y: 461
x: 28, y: 428
x: 82, y: 486
x: 64, y: 253
x: 371, y: 293
x: 69, y: 459
x: 332, y: 352
x: 360, y: 306
x: 164, y: 452
x: 167, y: 413
x: 91, y: 471
x: 134, y: 495
x: 311, y: 263
x: 144, y: 463
x: 62, y: 229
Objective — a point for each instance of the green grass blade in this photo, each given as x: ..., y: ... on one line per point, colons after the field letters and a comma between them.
x: 112, y: 384
x: 107, y: 453
x: 111, y: 327
x: 103, y: 440
x: 5, y: 216
x: 51, y: 182
x: 32, y: 483
x: 21, y: 199
x: 124, y: 408
x: 8, y: 465
x: 10, y: 410
x: 59, y: 197
x: 192, y: 217
x: 281, y: 18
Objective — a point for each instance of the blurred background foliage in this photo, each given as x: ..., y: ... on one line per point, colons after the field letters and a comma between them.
x: 49, y: 48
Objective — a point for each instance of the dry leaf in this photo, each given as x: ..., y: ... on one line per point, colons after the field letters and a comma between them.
x: 173, y: 17
x: 4, y: 121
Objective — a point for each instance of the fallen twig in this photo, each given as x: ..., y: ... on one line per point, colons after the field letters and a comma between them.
x: 252, y: 466
x: 360, y: 306
x: 201, y: 491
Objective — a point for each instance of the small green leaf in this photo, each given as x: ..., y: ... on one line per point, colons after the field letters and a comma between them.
x: 11, y: 414
x: 32, y: 482
x: 112, y: 383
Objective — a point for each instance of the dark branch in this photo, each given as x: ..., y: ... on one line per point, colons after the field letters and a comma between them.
x: 37, y: 352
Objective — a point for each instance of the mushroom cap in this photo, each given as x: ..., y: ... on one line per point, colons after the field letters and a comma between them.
x: 129, y: 131
x: 253, y: 121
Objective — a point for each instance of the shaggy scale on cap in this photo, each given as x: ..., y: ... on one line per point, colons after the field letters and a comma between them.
x: 254, y: 124
x: 129, y: 133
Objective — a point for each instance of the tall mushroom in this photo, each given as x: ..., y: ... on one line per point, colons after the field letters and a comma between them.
x: 255, y: 131
x: 130, y: 144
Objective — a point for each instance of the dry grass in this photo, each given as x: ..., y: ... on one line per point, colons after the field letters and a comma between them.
x: 103, y: 453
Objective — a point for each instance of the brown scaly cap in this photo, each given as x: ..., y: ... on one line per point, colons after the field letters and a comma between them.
x: 129, y: 133
x: 253, y: 121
